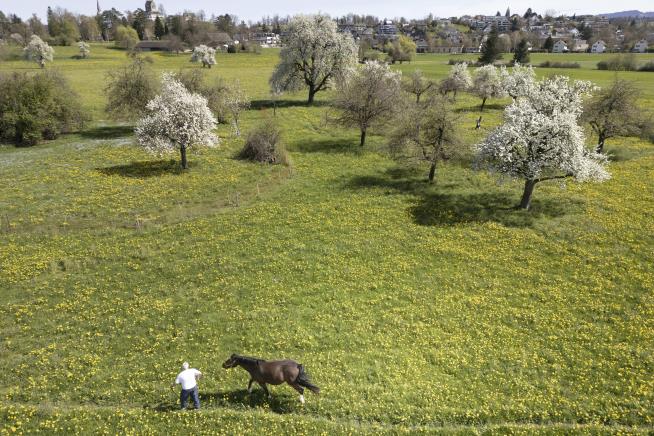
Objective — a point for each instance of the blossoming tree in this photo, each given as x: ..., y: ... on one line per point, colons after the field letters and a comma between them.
x: 84, y: 49
x: 459, y: 79
x: 204, y: 54
x: 38, y: 51
x: 541, y: 139
x: 176, y: 120
x: 371, y: 94
x: 314, y: 55
x: 518, y: 81
x: 487, y: 83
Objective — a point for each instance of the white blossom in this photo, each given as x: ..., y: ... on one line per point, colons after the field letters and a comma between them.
x: 541, y: 138
x: 204, y: 54
x: 487, y: 83
x: 518, y: 81
x: 38, y: 51
x: 458, y: 79
x: 315, y: 55
x: 176, y: 119
x: 84, y: 49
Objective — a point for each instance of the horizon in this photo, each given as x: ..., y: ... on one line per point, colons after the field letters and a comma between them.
x: 381, y: 9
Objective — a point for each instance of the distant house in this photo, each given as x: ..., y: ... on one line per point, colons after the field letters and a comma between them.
x: 387, y: 30
x: 598, y: 47
x: 266, y: 38
x: 454, y: 49
x: 579, y: 46
x: 560, y: 47
x: 422, y: 46
x: 153, y: 46
x: 471, y: 49
x: 641, y: 46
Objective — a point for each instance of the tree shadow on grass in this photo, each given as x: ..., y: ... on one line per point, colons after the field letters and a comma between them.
x: 107, y: 132
x: 444, y: 209
x: 144, y: 169
x: 270, y: 104
x: 440, y: 205
x: 238, y: 399
x: 327, y: 146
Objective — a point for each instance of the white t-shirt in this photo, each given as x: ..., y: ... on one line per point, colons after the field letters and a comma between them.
x: 187, y: 378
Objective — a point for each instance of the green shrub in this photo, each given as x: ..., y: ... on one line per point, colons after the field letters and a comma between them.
x: 263, y: 144
x: 619, y: 63
x: 37, y: 106
x: 649, y: 66
x: 550, y: 64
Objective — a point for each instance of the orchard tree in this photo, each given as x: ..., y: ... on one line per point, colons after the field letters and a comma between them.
x: 370, y: 95
x: 401, y: 50
x: 541, y: 138
x: 38, y: 51
x: 426, y: 132
x: 614, y: 112
x: 314, y: 55
x: 129, y: 89
x: 490, y: 49
x: 204, y: 54
x: 417, y: 85
x: 519, y: 81
x: 459, y: 79
x: 235, y: 101
x: 176, y: 120
x: 521, y: 54
x: 84, y: 49
x: 487, y: 83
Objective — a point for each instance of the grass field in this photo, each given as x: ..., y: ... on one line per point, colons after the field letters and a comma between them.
x: 415, y: 308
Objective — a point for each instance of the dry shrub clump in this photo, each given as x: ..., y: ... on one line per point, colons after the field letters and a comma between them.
x: 263, y: 144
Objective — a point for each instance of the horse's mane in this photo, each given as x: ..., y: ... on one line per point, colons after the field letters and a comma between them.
x: 248, y: 359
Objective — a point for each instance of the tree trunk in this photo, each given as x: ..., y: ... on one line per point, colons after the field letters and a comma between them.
x: 363, y: 137
x: 526, y: 195
x: 312, y: 93
x: 432, y: 172
x: 483, y: 103
x: 454, y: 98
x: 600, y: 144
x: 182, y: 150
x: 417, y: 98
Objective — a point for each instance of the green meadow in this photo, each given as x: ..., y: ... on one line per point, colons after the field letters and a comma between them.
x: 416, y: 308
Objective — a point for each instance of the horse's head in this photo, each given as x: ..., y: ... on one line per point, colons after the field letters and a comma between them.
x: 231, y: 362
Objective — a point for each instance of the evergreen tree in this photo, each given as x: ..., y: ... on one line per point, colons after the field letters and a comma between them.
x: 549, y: 44
x: 159, y: 30
x: 490, y: 50
x: 528, y: 14
x: 507, y: 14
x: 521, y: 55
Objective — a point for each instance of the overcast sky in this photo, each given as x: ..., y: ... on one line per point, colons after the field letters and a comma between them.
x: 255, y: 9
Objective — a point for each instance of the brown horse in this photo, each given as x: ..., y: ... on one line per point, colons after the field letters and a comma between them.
x: 273, y: 372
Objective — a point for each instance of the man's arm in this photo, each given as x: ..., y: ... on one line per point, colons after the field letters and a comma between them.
x: 198, y: 375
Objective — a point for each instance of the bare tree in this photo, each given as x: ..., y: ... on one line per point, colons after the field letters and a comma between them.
x: 129, y: 89
x: 417, y: 85
x: 613, y: 112
x: 371, y: 94
x: 426, y: 133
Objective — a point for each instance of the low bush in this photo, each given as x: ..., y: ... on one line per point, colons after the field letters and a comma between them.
x: 550, y: 64
x: 37, y: 106
x: 649, y: 66
x: 619, y: 63
x: 263, y: 144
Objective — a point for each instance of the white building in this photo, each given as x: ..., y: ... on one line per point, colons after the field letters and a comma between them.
x: 579, y: 45
x: 598, y: 47
x: 151, y: 11
x: 641, y: 46
x: 560, y: 47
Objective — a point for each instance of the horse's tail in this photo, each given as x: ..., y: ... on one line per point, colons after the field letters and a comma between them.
x: 303, y: 380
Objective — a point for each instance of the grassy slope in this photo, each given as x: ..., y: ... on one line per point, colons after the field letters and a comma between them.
x: 413, y: 307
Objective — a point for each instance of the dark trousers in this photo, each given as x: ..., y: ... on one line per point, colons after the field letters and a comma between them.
x: 183, y: 397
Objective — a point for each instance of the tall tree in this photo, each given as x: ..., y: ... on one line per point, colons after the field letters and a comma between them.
x: 427, y: 133
x: 159, y: 29
x: 314, y: 55
x: 521, y: 54
x: 541, y: 139
x: 613, y: 112
x: 176, y: 120
x: 548, y: 44
x: 490, y: 49
x: 370, y: 95
x: 507, y: 14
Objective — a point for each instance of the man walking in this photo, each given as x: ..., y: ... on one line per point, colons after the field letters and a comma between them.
x: 188, y: 379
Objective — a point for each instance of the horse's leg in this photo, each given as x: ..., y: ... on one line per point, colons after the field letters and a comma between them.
x: 265, y: 389
x: 300, y: 389
x: 250, y: 386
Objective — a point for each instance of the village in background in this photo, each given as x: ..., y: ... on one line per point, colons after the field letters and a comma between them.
x: 151, y: 29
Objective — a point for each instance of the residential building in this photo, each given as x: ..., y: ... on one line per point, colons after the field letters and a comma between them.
x: 560, y: 47
x: 579, y: 45
x: 598, y: 47
x: 641, y: 46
